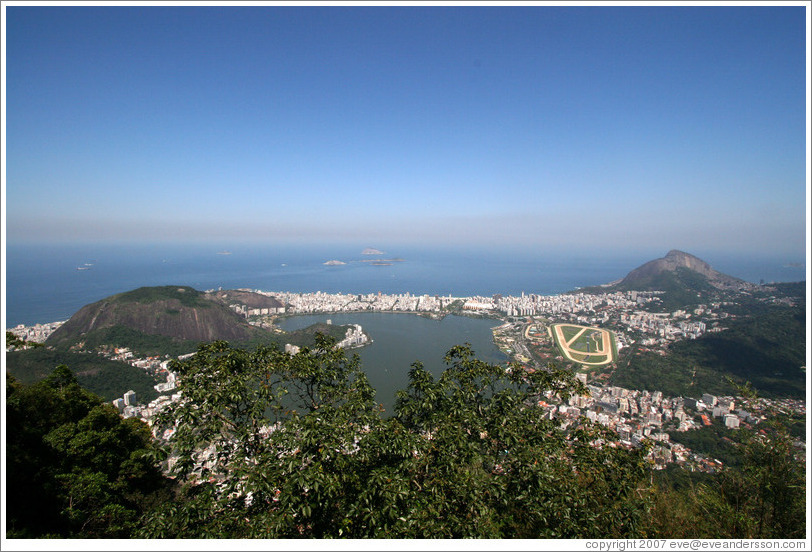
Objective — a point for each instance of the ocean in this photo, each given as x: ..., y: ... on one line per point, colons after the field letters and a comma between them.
x: 44, y: 284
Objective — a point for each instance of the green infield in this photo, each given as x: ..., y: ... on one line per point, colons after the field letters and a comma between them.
x: 585, y: 345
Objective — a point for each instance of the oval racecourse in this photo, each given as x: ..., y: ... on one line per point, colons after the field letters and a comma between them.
x: 584, y: 344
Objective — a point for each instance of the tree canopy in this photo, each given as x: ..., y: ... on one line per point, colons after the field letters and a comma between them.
x: 75, y: 467
x: 263, y: 444
x: 279, y: 446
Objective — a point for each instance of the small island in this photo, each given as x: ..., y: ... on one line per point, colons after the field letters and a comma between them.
x: 371, y: 251
x: 334, y: 263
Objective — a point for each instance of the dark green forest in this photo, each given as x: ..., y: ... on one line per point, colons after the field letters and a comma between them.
x: 766, y: 348
x: 75, y: 468
x: 140, y: 343
x: 269, y: 445
x: 107, y: 378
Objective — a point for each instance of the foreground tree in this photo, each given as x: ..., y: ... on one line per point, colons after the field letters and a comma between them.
x: 278, y: 446
x: 75, y: 468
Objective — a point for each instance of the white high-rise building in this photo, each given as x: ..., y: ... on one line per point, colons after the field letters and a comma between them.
x: 129, y: 398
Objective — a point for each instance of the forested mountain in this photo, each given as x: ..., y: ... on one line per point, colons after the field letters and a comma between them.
x: 180, y: 313
x: 685, y: 280
x: 766, y: 347
x: 75, y: 467
x: 647, y: 276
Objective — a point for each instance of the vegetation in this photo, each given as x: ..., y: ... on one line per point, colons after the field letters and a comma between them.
x: 467, y: 455
x: 109, y: 379
x: 763, y: 496
x: 454, y: 307
x: 271, y: 445
x: 188, y: 296
x: 140, y: 343
x: 305, y: 337
x: 16, y: 343
x: 766, y: 349
x: 75, y: 468
x: 715, y: 441
x: 682, y: 288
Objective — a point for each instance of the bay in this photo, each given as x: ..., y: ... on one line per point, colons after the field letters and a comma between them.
x: 402, y: 339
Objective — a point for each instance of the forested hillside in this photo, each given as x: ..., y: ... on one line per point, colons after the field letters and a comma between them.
x: 766, y: 347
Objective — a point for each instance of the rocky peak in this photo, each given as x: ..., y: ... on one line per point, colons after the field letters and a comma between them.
x: 672, y: 261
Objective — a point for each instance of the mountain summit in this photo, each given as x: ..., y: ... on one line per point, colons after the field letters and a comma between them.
x: 178, y: 312
x: 682, y: 278
x: 675, y: 262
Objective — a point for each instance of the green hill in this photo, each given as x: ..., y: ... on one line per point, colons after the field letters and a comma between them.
x: 179, y: 314
x: 766, y: 348
x: 109, y: 379
x: 686, y: 280
x: 150, y: 321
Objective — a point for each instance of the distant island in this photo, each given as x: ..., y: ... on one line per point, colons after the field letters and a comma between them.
x: 371, y: 251
x: 334, y: 263
x: 382, y: 262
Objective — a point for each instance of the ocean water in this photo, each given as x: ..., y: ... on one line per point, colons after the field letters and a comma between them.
x: 43, y: 284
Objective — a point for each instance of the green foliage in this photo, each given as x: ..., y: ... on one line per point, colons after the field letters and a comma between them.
x: 278, y: 446
x: 14, y: 342
x: 767, y: 349
x: 140, y: 343
x: 187, y: 296
x: 683, y: 287
x: 75, y: 468
x: 493, y: 466
x: 307, y: 337
x: 108, y: 378
x: 671, y: 374
x: 715, y: 441
x: 111, y: 379
x: 271, y: 445
x: 764, y: 497
x: 455, y: 306
x: 761, y: 494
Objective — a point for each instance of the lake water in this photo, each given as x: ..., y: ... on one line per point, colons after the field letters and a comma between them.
x: 402, y: 339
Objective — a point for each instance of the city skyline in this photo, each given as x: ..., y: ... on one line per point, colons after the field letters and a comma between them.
x: 649, y: 126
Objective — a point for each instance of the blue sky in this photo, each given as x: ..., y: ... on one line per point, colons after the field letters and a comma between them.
x: 634, y: 127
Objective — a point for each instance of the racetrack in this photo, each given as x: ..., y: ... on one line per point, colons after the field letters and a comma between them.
x: 603, y: 353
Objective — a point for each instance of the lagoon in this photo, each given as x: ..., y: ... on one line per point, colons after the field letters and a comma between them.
x: 401, y: 339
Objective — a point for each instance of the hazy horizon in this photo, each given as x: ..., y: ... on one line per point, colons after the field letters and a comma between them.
x: 634, y: 128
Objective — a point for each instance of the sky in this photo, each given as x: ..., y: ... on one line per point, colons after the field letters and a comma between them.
x: 646, y: 126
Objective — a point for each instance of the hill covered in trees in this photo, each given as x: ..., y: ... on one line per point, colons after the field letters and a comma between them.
x: 179, y: 313
x: 765, y: 345
x: 684, y: 279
